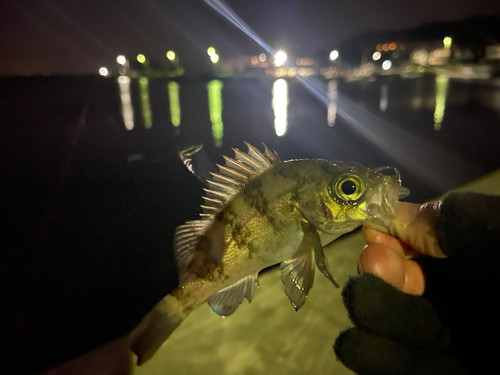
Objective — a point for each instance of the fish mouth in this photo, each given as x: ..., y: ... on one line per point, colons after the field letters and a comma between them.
x: 403, y: 191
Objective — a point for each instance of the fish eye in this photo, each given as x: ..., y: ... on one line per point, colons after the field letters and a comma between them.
x: 349, y: 188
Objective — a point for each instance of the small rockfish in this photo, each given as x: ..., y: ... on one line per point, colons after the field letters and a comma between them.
x: 258, y: 212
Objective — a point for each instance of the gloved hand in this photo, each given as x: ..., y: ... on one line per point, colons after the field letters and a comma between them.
x: 433, y: 314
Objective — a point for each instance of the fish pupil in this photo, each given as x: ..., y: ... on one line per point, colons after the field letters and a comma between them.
x: 348, y: 187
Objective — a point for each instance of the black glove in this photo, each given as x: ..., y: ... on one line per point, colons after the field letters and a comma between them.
x: 452, y: 328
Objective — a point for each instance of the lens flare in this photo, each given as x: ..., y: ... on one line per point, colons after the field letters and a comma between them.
x: 170, y: 55
x: 280, y: 58
x: 376, y: 56
x: 386, y: 65
x: 141, y: 58
x: 334, y: 55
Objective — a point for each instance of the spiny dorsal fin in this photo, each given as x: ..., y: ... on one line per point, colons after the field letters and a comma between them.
x: 226, y: 301
x: 234, y: 174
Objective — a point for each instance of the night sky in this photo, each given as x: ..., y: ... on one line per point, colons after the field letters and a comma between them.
x: 79, y: 36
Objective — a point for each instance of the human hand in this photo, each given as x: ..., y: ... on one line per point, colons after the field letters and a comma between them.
x: 447, y: 329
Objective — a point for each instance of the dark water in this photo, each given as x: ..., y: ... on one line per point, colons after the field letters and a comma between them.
x: 90, y: 207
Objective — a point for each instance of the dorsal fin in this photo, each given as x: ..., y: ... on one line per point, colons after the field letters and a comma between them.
x: 233, y: 175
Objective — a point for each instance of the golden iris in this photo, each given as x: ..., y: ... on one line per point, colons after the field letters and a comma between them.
x: 349, y: 188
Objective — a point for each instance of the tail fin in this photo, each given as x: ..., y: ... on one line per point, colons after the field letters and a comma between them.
x: 155, y: 328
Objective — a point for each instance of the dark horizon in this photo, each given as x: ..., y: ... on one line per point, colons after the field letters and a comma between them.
x: 53, y: 37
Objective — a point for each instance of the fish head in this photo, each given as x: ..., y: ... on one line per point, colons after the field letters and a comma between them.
x: 344, y: 196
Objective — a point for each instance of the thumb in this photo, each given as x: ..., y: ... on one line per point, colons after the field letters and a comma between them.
x: 415, y: 225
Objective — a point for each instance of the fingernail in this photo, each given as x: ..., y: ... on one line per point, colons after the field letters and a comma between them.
x: 407, y: 213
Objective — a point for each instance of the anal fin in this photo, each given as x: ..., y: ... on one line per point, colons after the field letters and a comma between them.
x: 226, y: 301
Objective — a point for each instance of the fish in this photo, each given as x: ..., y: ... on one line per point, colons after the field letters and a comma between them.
x: 259, y: 211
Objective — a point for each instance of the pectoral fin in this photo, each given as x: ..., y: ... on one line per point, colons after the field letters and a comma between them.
x: 226, y: 301
x: 297, y: 275
x: 321, y: 260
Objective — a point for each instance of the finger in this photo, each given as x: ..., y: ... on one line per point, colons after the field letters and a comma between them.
x: 415, y: 226
x: 373, y: 236
x: 387, y: 264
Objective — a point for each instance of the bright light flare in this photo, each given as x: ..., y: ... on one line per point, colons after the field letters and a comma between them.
x: 126, y: 102
x: 447, y: 41
x: 386, y: 65
x: 103, y: 71
x: 280, y: 106
x: 120, y: 59
x: 262, y: 57
x: 170, y: 55
x: 334, y: 55
x: 376, y: 56
x: 141, y: 58
x: 280, y: 58
x: 214, y: 58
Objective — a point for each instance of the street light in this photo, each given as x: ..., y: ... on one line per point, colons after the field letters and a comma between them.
x: 280, y: 58
x: 103, y: 71
x: 376, y: 56
x: 214, y: 58
x: 447, y: 42
x: 120, y: 59
x: 211, y: 51
x: 334, y: 55
x: 141, y: 58
x: 386, y: 65
x: 170, y: 55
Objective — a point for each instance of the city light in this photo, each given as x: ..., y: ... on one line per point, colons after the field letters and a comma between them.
x: 447, y: 41
x: 280, y: 106
x: 262, y: 57
x: 103, y: 71
x: 126, y: 101
x: 392, y: 46
x: 214, y: 58
x: 175, y: 105
x: 334, y: 55
x: 280, y: 58
x: 170, y: 55
x: 379, y: 47
x: 376, y: 56
x: 385, y: 47
x: 145, y: 104
x: 141, y: 58
x: 215, y: 108
x: 386, y: 65
x: 120, y: 59
x: 254, y: 60
x: 211, y: 51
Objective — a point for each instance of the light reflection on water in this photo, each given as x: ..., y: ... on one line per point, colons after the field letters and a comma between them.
x: 215, y: 108
x: 280, y: 106
x: 384, y: 97
x: 332, y: 102
x: 441, y: 95
x: 174, y: 103
x: 127, y: 109
x: 145, y: 103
